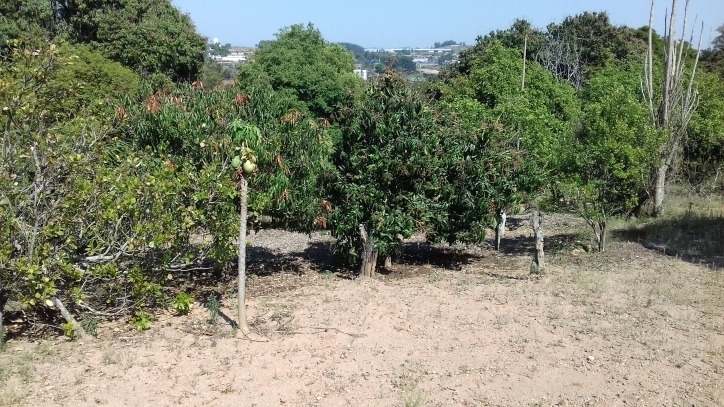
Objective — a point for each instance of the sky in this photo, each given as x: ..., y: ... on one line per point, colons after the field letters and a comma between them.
x: 419, y: 23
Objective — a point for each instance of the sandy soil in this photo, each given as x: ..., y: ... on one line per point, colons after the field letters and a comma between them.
x: 625, y: 327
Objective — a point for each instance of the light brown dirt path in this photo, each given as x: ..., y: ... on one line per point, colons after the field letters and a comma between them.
x: 628, y: 327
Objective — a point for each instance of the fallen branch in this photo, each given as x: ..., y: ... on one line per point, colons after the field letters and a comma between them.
x: 68, y: 317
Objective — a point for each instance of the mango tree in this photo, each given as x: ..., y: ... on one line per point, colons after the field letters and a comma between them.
x: 521, y: 133
x: 389, y: 160
x: 609, y: 163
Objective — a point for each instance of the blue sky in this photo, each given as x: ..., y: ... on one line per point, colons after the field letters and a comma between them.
x: 419, y: 23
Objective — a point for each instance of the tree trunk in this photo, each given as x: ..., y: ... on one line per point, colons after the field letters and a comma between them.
x: 241, y: 288
x: 369, y: 255
x: 539, y: 259
x: 660, y: 190
x: 525, y: 51
x: 500, y: 229
x: 602, y: 237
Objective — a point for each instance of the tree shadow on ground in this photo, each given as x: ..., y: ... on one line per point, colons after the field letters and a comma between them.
x: 553, y: 243
x: 693, y: 237
x: 438, y: 256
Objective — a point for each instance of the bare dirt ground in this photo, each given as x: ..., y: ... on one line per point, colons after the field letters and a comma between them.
x: 449, y: 326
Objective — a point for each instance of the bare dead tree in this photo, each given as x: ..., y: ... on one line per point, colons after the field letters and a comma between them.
x: 562, y: 58
x: 671, y: 109
x: 525, y: 51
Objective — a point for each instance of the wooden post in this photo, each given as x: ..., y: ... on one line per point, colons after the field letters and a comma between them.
x: 538, y: 262
x: 500, y: 229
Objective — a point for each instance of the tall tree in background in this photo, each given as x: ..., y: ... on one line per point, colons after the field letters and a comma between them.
x: 300, y: 62
x: 671, y: 107
x: 24, y: 18
x: 713, y: 58
x: 148, y: 36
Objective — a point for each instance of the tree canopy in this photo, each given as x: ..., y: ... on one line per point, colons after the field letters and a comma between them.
x: 300, y: 62
x: 148, y: 36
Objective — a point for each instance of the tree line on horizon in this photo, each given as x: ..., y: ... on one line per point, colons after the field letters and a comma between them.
x: 117, y: 147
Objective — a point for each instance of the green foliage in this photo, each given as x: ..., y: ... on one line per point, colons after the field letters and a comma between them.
x: 387, y: 159
x: 357, y: 51
x: 24, y: 19
x: 90, y: 325
x: 69, y: 330
x: 85, y: 216
x: 213, y: 74
x: 538, y: 119
x: 219, y: 50
x: 400, y: 63
x: 142, y: 320
x: 100, y: 79
x: 182, y: 303
x: 615, y: 151
x: 301, y: 62
x: 598, y: 40
x: 444, y: 44
x: 485, y: 171
x: 293, y: 159
x: 704, y: 149
x: 148, y: 36
x: 213, y: 305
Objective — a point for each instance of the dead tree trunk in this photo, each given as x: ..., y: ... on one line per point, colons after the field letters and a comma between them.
x: 241, y: 286
x: 369, y: 254
x: 673, y: 109
x: 525, y: 51
x: 67, y: 316
x: 500, y: 228
x: 539, y: 257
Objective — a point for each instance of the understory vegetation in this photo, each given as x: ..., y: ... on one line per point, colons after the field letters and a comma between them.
x: 122, y: 175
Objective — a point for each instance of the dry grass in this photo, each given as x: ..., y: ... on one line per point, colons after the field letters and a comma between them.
x: 692, y: 228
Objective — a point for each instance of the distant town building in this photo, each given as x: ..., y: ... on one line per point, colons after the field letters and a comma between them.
x: 362, y: 73
x: 235, y: 56
x: 412, y: 50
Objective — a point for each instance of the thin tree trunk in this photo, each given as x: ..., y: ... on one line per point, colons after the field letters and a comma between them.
x: 500, y: 229
x: 660, y: 190
x: 241, y: 289
x: 369, y: 255
x: 602, y: 237
x: 539, y: 259
x: 525, y: 50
